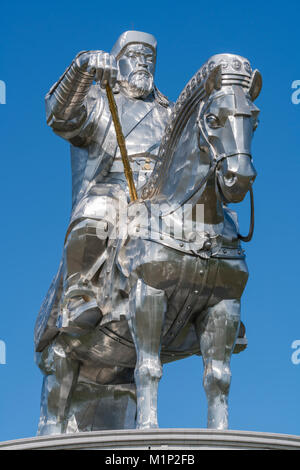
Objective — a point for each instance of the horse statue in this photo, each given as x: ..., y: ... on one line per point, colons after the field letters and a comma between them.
x: 171, y: 286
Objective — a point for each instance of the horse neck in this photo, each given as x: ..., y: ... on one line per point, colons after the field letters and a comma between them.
x: 207, y: 199
x: 181, y: 177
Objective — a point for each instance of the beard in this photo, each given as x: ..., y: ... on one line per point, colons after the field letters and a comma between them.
x: 139, y: 84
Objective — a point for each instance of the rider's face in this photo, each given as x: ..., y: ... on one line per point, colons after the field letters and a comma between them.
x: 136, y: 69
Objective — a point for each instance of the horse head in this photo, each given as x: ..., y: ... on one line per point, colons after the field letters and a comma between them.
x: 217, y: 104
x: 227, y: 120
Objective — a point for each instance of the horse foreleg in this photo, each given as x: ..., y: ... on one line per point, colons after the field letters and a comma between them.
x: 217, y: 334
x: 147, y: 307
x: 61, y: 373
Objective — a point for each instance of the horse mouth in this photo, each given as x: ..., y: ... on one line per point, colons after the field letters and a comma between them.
x: 230, y: 189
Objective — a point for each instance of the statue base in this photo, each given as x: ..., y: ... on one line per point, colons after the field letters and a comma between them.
x: 158, y: 439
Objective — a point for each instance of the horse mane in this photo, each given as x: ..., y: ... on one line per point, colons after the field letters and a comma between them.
x: 235, y: 70
x: 181, y: 111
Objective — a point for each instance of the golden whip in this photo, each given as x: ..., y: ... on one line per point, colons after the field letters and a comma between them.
x: 121, y: 142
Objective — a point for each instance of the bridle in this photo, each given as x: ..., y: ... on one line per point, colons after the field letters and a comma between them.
x: 214, y: 165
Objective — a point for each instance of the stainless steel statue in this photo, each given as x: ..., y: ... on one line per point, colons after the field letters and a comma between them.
x: 155, y: 280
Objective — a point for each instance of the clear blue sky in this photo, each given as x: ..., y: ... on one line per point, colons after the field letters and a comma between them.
x: 38, y: 41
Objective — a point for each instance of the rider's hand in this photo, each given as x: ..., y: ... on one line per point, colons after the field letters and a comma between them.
x: 100, y: 64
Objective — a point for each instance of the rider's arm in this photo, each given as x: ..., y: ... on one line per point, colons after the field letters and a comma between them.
x: 74, y: 105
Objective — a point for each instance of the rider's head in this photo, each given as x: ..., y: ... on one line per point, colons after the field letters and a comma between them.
x: 135, y: 53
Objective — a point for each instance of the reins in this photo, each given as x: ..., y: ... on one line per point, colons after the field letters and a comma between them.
x: 251, y: 228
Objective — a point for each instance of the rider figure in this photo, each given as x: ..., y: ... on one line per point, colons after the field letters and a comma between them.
x: 78, y: 111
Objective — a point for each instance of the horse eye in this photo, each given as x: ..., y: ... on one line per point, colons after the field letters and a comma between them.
x: 213, y: 121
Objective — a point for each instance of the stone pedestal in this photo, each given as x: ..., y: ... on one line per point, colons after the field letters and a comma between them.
x: 158, y: 439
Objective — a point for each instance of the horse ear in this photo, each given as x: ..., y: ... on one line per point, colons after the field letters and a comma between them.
x: 214, y: 80
x: 255, y: 85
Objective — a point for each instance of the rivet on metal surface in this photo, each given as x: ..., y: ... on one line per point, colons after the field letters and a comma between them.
x: 207, y: 245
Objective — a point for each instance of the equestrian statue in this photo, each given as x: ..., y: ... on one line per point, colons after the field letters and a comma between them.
x: 153, y: 269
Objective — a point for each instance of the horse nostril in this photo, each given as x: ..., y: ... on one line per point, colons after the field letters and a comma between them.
x: 230, y: 179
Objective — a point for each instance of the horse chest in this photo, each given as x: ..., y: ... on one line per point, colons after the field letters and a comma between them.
x: 202, y: 283
x: 194, y: 286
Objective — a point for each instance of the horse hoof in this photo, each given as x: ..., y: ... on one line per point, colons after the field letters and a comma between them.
x: 147, y: 426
